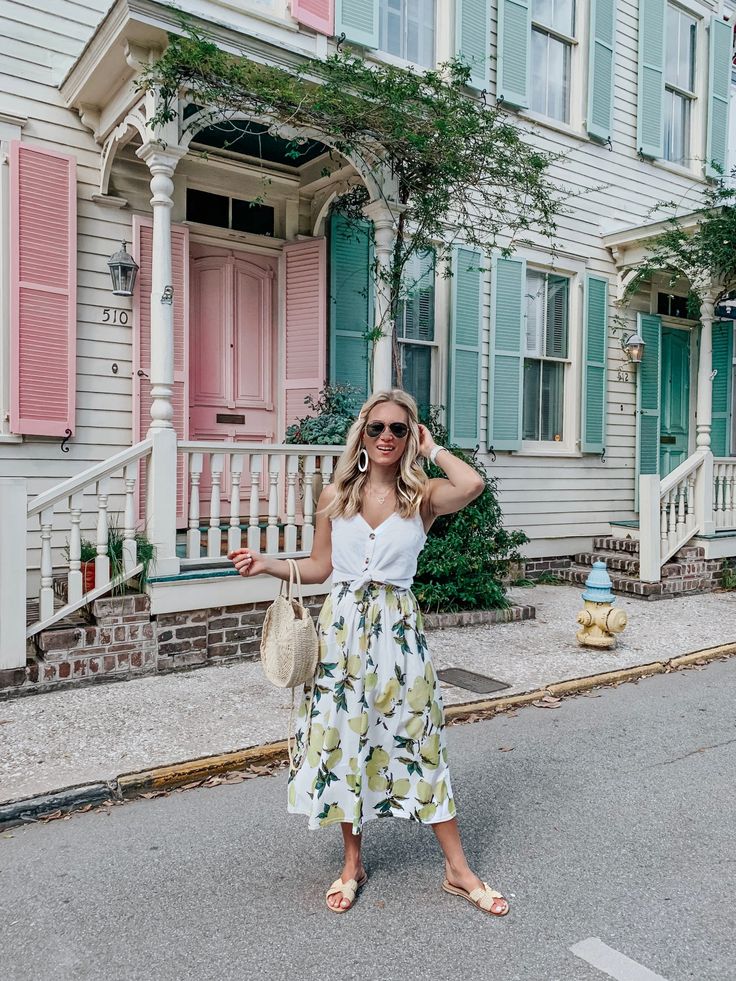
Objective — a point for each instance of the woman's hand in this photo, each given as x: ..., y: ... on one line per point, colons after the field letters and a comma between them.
x: 426, y: 442
x: 248, y: 563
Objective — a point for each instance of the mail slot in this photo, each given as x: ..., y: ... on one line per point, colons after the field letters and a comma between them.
x: 230, y: 419
x: 668, y: 440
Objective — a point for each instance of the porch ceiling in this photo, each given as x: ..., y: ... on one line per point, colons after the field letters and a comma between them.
x: 630, y: 244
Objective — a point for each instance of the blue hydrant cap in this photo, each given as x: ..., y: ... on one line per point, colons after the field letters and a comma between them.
x: 599, y: 585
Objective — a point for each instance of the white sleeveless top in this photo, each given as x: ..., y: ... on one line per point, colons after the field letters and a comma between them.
x: 387, y: 553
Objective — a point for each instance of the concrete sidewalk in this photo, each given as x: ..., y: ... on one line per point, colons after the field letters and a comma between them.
x: 59, y: 739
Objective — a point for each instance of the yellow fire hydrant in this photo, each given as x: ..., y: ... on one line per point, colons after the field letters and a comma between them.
x: 599, y: 621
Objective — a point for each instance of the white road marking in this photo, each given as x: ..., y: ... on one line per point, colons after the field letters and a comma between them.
x: 616, y: 965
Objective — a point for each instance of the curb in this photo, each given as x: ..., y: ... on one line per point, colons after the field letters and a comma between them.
x: 131, y: 785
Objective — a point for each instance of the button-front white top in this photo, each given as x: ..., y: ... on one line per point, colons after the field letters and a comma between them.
x: 387, y: 553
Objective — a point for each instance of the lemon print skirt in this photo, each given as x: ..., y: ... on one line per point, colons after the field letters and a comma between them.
x: 374, y: 745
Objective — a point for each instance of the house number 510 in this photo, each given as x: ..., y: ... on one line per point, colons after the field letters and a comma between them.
x: 115, y: 317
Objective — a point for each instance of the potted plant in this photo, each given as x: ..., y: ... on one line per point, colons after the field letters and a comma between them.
x: 88, y: 555
x: 145, y: 554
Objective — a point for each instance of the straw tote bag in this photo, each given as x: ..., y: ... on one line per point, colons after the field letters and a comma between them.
x: 289, y: 644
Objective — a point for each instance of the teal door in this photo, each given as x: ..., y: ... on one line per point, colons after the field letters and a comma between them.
x: 675, y: 399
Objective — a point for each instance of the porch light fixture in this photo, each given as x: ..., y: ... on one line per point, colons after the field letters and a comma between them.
x: 123, y: 271
x: 633, y: 348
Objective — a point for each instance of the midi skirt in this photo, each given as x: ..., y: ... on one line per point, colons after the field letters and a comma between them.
x: 374, y: 744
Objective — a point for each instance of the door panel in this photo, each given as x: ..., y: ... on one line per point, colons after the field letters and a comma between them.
x: 232, y: 356
x: 675, y: 426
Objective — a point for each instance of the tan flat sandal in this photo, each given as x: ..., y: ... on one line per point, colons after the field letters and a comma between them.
x: 348, y: 889
x: 485, y: 899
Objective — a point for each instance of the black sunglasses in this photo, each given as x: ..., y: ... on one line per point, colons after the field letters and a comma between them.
x: 374, y: 429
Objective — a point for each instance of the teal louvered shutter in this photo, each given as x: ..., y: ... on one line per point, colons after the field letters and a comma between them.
x: 722, y: 387
x: 358, y: 21
x: 601, y: 68
x: 465, y: 328
x: 650, y: 108
x: 595, y: 334
x: 351, y: 303
x: 719, y: 87
x: 508, y: 286
x: 648, y: 395
x: 471, y: 37
x: 514, y: 43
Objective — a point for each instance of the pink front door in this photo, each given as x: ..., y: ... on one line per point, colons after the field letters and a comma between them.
x: 232, y: 346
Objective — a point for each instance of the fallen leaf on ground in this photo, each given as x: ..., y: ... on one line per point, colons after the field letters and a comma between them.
x: 505, y: 749
x: 191, y: 786
x: 551, y: 699
x: 546, y: 705
x: 590, y: 694
x: 51, y: 816
x: 380, y: 904
x: 6, y: 722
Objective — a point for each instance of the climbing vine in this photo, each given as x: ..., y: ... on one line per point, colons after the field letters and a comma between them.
x: 452, y: 168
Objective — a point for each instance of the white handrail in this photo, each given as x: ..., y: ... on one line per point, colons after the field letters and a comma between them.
x: 87, y: 477
x: 684, y: 470
x: 229, y: 446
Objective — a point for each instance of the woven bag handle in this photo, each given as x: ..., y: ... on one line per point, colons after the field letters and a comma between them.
x: 292, y: 569
x: 297, y: 575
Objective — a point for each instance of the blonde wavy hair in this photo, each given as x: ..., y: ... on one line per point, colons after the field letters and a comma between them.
x: 350, y: 483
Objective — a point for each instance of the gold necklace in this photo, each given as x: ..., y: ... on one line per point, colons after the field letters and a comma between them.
x: 381, y: 498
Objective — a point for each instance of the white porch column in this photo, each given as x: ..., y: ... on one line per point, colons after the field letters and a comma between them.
x: 162, y: 165
x: 704, y: 412
x: 384, y: 226
x: 161, y: 506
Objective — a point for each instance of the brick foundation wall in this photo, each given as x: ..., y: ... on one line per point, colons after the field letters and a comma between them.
x: 534, y: 568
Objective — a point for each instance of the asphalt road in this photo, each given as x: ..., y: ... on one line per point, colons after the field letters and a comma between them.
x: 610, y: 817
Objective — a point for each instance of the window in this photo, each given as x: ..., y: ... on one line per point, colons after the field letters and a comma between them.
x: 225, y: 212
x: 407, y: 30
x: 679, y: 78
x: 545, y: 355
x: 670, y: 305
x: 415, y: 328
x: 553, y: 37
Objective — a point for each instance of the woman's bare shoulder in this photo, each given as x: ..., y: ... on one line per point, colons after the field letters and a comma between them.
x: 328, y: 495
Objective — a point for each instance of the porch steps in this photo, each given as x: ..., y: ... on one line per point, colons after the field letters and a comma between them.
x: 686, y: 573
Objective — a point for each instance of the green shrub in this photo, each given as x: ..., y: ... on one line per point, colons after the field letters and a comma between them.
x: 335, y: 409
x: 468, y: 554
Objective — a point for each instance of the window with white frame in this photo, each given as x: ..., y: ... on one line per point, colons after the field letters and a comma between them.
x: 679, y: 79
x: 545, y: 355
x: 407, y: 30
x: 553, y: 38
x: 415, y: 327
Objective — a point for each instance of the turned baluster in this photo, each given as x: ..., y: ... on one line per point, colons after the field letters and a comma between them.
x: 46, y: 593
x: 254, y: 517
x: 290, y: 531
x: 691, y: 501
x: 214, y: 535
x: 102, y: 560
x: 310, y: 465
x: 663, y: 529
x: 194, y: 535
x: 236, y: 474
x: 130, y: 545
x: 730, y: 490
x: 681, y: 488
x: 672, y: 517
x: 272, y: 529
x: 75, y: 580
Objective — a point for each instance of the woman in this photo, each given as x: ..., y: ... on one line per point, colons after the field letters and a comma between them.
x: 374, y: 744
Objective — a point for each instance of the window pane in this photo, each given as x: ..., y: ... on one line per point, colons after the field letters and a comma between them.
x: 680, y: 49
x: 676, y: 127
x: 406, y: 29
x: 534, y: 313
x: 551, y: 408
x: 415, y: 314
x: 208, y: 209
x: 557, y: 14
x: 530, y: 422
x: 417, y: 369
x: 558, y: 293
x: 539, y: 72
x: 250, y: 217
x: 390, y: 30
x: 550, y: 76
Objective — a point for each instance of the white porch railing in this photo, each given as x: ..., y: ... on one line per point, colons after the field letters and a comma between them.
x: 672, y: 511
x: 274, y: 486
x: 724, y: 493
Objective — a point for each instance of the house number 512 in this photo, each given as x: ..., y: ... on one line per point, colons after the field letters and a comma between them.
x: 115, y: 317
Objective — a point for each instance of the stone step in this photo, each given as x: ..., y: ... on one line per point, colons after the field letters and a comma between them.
x: 622, y: 584
x: 611, y: 544
x: 684, y: 566
x: 614, y: 562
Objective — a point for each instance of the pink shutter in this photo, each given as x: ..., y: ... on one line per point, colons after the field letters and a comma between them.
x: 43, y: 298
x: 306, y: 323
x: 143, y: 252
x: 317, y: 14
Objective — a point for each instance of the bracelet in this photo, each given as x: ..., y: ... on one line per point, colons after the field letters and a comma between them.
x: 435, y: 451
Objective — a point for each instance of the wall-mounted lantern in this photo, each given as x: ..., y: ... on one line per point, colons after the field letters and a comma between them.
x: 633, y: 348
x: 123, y: 271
